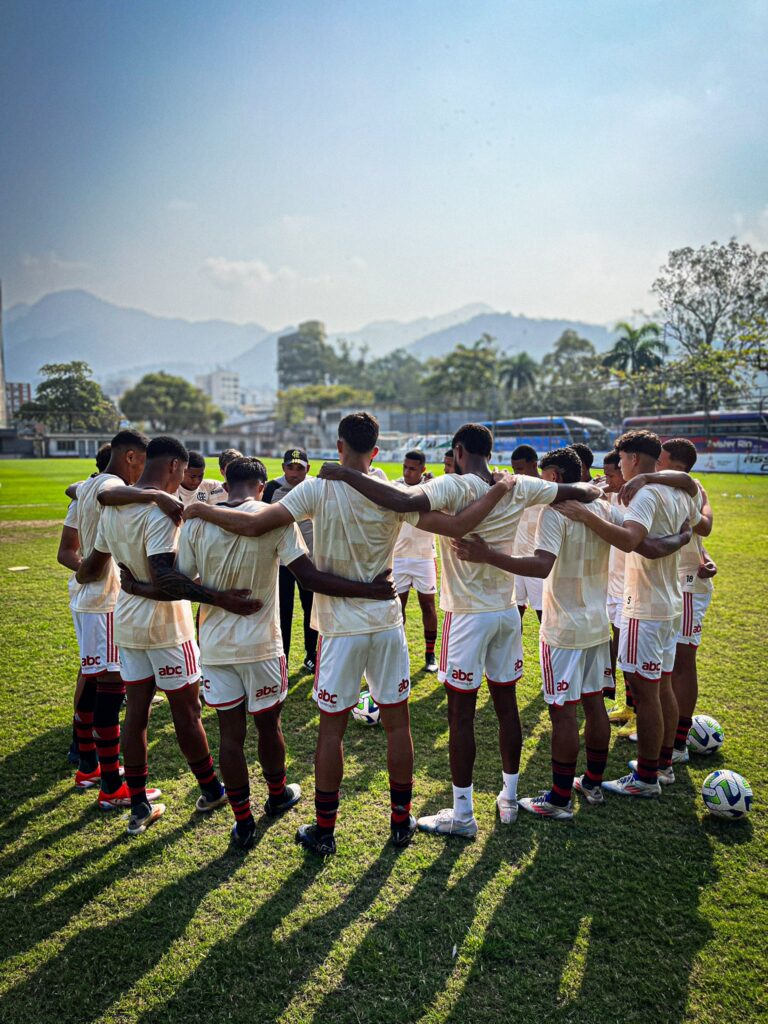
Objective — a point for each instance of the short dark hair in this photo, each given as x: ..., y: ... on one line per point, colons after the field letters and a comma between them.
x: 103, y: 456
x: 639, y: 442
x: 416, y: 456
x: 196, y: 460
x: 584, y: 452
x: 448, y: 453
x: 246, y: 468
x: 166, y: 446
x: 524, y: 453
x: 130, y: 439
x: 566, y: 460
x: 475, y: 438
x: 611, y: 459
x: 360, y: 430
x: 227, y: 456
x: 682, y: 450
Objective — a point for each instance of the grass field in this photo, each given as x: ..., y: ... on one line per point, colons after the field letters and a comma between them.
x: 633, y: 913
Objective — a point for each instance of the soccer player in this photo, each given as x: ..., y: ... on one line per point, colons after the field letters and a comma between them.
x: 243, y: 663
x: 155, y: 630
x: 528, y: 589
x: 295, y: 469
x: 623, y: 714
x: 652, y: 608
x: 448, y: 463
x: 587, y: 457
x: 696, y: 572
x: 194, y: 488
x: 227, y: 456
x: 415, y: 564
x: 356, y: 539
x: 481, y: 628
x: 574, y: 635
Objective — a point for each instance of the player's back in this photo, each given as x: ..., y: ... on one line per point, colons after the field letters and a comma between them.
x: 413, y: 542
x: 99, y: 595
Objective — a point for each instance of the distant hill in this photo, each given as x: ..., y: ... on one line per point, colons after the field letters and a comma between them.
x: 382, y: 336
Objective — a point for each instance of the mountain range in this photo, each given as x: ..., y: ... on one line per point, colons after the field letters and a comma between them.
x: 122, y: 342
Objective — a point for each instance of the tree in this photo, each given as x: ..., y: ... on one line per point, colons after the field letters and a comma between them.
x: 305, y: 357
x: 396, y: 378
x: 292, y: 404
x: 518, y: 372
x: 570, y: 358
x: 467, y: 375
x: 637, y: 349
x: 68, y: 400
x: 164, y: 402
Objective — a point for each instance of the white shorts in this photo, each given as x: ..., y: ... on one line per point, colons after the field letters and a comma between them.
x: 694, y: 609
x: 343, y: 660
x: 264, y: 684
x: 419, y: 573
x: 172, y: 668
x: 615, y: 608
x: 528, y: 591
x: 647, y: 647
x: 568, y: 675
x: 481, y: 642
x: 95, y: 638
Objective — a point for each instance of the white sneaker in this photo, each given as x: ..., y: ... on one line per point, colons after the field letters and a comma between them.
x: 680, y: 756
x: 507, y: 809
x: 541, y: 806
x: 666, y: 776
x: 444, y: 824
x: 632, y: 737
x: 592, y: 794
x: 630, y: 786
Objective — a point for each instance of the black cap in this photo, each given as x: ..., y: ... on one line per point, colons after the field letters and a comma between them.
x: 295, y: 456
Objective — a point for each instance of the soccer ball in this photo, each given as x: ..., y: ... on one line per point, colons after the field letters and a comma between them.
x: 366, y: 711
x: 726, y: 794
x: 705, y: 735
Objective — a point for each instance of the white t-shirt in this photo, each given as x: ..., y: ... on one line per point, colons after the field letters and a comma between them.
x: 526, y: 531
x: 225, y: 561
x: 691, y: 557
x: 573, y: 608
x: 210, y: 491
x: 70, y: 520
x: 133, y: 533
x: 616, y: 559
x: 468, y: 587
x: 652, y: 585
x: 412, y: 542
x: 355, y: 539
x: 101, y: 594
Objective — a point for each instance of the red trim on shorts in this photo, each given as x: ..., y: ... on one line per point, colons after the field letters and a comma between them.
x: 444, y: 641
x: 546, y: 668
x: 283, y: 675
x: 647, y: 678
x: 95, y: 675
x: 135, y: 682
x: 317, y: 661
x: 177, y: 689
x: 457, y: 689
x: 340, y: 712
x: 261, y: 711
x: 496, y: 682
x: 392, y: 703
x: 227, y: 703
x: 687, y: 628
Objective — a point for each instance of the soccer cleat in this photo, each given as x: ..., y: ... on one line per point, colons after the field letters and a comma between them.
x: 321, y: 845
x: 680, y: 756
x: 310, y: 662
x: 507, y: 809
x: 620, y: 713
x: 204, y: 804
x: 592, y: 794
x: 403, y: 833
x: 444, y: 824
x: 630, y: 727
x: 272, y: 808
x: 430, y: 664
x: 633, y: 736
x: 629, y: 785
x: 244, y: 841
x: 122, y: 798
x: 143, y: 817
x: 87, y: 780
x: 666, y: 776
x: 541, y: 806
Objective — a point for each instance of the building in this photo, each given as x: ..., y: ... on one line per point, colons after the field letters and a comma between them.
x: 222, y: 387
x: 16, y: 395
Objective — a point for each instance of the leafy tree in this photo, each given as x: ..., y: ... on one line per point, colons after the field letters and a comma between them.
x: 637, y: 349
x: 165, y: 402
x: 571, y: 358
x: 293, y: 403
x: 305, y: 357
x: 518, y: 371
x: 397, y: 378
x: 68, y: 400
x: 467, y: 375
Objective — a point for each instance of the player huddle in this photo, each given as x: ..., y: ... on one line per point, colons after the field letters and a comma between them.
x: 146, y: 537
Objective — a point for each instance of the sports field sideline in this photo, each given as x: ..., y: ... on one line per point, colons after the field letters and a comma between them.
x: 632, y: 913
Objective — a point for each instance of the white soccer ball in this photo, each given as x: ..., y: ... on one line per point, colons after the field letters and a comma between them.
x: 366, y: 710
x: 726, y: 794
x: 705, y: 735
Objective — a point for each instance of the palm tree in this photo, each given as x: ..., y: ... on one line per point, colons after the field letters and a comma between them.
x: 637, y: 348
x: 518, y: 372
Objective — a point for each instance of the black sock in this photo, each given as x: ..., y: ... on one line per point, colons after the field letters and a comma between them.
x: 326, y: 809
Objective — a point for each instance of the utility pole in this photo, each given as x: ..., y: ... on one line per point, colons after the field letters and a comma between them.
x: 3, y: 403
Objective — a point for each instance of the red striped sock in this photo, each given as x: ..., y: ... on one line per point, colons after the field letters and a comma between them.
x: 326, y: 810
x: 596, y: 762
x: 562, y: 782
x: 240, y: 801
x: 275, y: 784
x: 647, y: 770
x: 681, y: 735
x: 400, y: 796
x: 205, y: 774
x: 430, y: 639
x: 665, y: 757
x: 84, y: 725
x: 136, y: 781
x: 106, y: 731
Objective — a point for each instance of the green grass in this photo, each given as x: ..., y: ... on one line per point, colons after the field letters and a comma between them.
x: 634, y: 913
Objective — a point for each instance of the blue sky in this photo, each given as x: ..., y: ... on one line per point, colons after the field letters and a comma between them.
x: 352, y: 161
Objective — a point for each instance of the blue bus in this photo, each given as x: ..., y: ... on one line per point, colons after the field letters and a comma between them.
x: 724, y: 433
x: 547, y: 432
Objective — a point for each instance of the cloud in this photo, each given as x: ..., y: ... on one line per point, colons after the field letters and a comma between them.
x: 48, y: 262
x: 250, y: 274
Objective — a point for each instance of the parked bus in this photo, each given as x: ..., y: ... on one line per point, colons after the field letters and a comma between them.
x: 729, y: 442
x: 547, y: 432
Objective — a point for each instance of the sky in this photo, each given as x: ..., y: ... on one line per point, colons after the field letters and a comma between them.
x: 356, y: 161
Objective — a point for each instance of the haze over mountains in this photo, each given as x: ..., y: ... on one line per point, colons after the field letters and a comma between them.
x: 119, y: 341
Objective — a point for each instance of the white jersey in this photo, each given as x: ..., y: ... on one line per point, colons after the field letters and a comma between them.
x: 132, y: 533
x: 526, y: 531
x: 210, y: 491
x: 413, y: 542
x: 226, y: 561
x: 355, y: 539
x: 469, y: 587
x: 652, y: 586
x: 101, y: 594
x: 616, y: 561
x: 574, y: 613
x: 70, y: 520
x: 691, y: 557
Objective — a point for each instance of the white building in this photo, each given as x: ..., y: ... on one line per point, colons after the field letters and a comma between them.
x: 222, y: 387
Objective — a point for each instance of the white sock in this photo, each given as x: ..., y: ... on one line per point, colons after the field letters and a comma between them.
x: 509, y: 785
x: 463, y: 808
